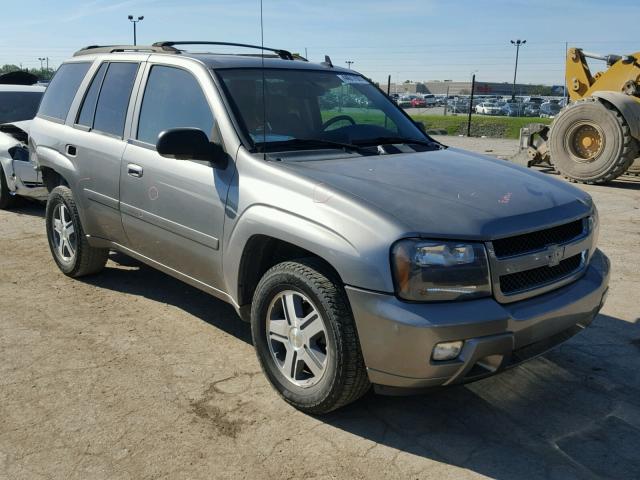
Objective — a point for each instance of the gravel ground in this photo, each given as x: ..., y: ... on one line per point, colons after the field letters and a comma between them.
x: 132, y: 375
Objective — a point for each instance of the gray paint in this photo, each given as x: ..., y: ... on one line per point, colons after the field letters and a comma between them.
x: 193, y: 221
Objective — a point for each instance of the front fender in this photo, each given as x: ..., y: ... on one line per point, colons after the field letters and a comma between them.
x: 628, y: 106
x: 369, y: 269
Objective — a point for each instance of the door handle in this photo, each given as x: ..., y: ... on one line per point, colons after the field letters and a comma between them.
x: 71, y: 150
x: 134, y: 170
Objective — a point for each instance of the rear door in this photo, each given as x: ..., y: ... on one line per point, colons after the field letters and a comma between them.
x: 173, y: 210
x: 97, y: 142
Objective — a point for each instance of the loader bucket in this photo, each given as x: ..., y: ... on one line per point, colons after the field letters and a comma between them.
x: 533, y: 149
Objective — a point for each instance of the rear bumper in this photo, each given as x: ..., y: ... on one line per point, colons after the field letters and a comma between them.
x: 397, y: 337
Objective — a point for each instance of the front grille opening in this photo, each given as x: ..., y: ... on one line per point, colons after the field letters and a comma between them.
x: 530, y: 242
x: 537, y: 277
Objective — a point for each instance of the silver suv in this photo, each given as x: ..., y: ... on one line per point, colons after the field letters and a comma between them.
x: 362, y: 251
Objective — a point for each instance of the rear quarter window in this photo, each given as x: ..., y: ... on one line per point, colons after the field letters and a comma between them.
x: 113, y: 100
x: 61, y: 91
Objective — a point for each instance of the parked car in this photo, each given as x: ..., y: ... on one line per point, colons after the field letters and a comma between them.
x: 18, y: 104
x: 430, y: 100
x: 513, y: 109
x: 488, y: 108
x: 434, y: 266
x: 405, y: 101
x: 531, y: 110
x: 550, y: 109
x: 418, y: 102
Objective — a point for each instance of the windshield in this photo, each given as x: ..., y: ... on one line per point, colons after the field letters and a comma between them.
x: 313, y: 105
x: 17, y: 106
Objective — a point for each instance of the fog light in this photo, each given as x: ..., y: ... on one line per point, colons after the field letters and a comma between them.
x: 447, y: 350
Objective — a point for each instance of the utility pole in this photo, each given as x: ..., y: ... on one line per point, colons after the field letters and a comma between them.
x: 473, y: 87
x: 564, y: 87
x: 517, y: 44
x: 130, y: 17
x: 446, y: 101
x: 388, y: 85
x: 349, y: 63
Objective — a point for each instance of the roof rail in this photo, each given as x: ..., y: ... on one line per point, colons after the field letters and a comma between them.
x: 284, y: 54
x: 124, y: 48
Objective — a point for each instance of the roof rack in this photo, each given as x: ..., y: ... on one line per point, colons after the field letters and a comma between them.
x: 124, y: 48
x: 284, y: 54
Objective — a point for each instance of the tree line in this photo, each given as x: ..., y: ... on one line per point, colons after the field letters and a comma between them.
x: 42, y: 73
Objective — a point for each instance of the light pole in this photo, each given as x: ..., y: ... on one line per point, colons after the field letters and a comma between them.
x: 517, y: 43
x: 130, y: 17
x: 349, y: 63
x: 42, y: 59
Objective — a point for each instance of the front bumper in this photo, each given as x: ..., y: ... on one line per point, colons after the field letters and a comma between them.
x: 397, y: 337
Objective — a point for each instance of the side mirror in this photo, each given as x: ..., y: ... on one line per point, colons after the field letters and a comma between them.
x: 190, y: 144
x: 421, y: 126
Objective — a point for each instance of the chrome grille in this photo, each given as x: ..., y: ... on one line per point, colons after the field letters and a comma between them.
x: 530, y: 242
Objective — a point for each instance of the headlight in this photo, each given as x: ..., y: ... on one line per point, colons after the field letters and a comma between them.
x: 438, y: 270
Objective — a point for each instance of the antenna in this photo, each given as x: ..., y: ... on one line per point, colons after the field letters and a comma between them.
x: 264, y: 89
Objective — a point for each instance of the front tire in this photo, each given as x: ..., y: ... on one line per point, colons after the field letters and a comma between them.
x: 67, y: 241
x: 305, y: 337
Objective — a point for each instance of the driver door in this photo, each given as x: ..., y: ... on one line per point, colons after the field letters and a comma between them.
x: 173, y: 210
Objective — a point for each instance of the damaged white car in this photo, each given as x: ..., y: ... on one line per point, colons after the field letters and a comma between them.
x: 18, y: 105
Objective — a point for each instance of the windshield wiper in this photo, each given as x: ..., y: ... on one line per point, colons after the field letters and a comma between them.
x: 317, y: 142
x: 392, y: 140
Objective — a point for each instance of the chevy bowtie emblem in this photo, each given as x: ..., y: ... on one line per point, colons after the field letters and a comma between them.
x: 555, y: 253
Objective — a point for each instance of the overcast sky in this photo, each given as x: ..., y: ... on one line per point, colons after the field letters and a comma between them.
x: 411, y: 39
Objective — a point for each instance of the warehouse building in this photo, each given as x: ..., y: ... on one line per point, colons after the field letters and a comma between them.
x: 464, y: 88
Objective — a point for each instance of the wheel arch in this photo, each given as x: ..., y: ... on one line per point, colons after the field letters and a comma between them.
x: 264, y: 236
x: 262, y: 252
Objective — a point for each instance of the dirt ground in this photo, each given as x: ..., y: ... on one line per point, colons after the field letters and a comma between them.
x: 132, y: 375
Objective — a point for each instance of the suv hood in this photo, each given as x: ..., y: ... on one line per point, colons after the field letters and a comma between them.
x: 451, y: 193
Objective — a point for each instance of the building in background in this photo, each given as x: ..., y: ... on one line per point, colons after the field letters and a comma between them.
x: 437, y: 87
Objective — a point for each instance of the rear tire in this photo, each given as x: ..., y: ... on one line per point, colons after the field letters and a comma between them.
x: 340, y: 376
x: 7, y: 200
x: 67, y: 240
x: 590, y: 142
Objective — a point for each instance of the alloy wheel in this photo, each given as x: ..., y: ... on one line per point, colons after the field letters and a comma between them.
x: 297, y: 338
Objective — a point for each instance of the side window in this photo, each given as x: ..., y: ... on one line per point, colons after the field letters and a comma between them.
x: 113, y: 101
x: 62, y: 90
x: 88, y: 108
x: 172, y: 98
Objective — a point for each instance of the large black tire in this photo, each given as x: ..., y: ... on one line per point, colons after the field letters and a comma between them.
x: 7, y: 200
x: 345, y: 378
x: 86, y: 259
x: 611, y: 159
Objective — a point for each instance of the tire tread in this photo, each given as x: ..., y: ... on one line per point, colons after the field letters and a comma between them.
x: 622, y: 163
x: 351, y: 382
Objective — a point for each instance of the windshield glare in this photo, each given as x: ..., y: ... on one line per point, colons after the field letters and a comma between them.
x: 17, y: 106
x: 313, y: 105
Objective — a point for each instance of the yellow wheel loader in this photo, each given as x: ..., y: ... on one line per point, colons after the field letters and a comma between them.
x: 596, y: 137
